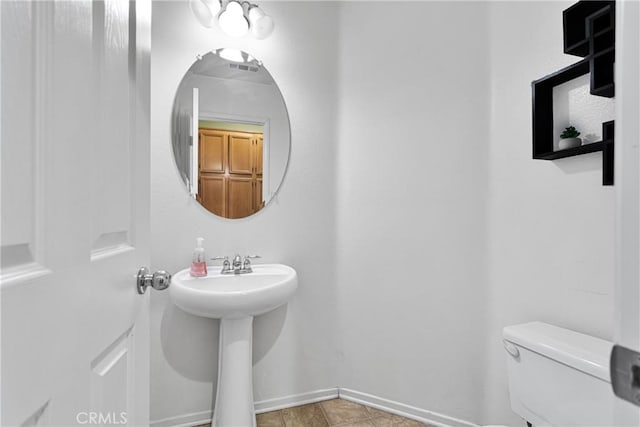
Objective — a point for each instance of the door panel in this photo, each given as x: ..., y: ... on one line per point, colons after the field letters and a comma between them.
x: 75, y: 185
x: 213, y: 193
x: 21, y: 109
x: 240, y: 153
x: 258, y: 153
x: 258, y: 201
x: 213, y: 151
x: 111, y: 373
x: 240, y: 197
x: 111, y: 170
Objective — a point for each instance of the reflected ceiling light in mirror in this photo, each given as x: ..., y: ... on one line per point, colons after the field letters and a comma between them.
x: 205, y: 11
x: 235, y: 18
x: 232, y: 20
x: 234, y: 55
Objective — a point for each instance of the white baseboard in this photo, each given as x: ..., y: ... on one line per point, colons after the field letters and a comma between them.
x: 187, y: 420
x: 411, y: 412
x: 296, y: 400
x: 433, y: 418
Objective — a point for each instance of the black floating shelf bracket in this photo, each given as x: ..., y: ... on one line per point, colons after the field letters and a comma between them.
x: 607, y: 152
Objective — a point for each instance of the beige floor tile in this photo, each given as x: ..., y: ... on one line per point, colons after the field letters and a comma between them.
x: 388, y: 421
x: 411, y: 423
x: 340, y: 411
x: 270, y: 419
x: 304, y: 416
x: 384, y: 419
x: 365, y: 423
x: 397, y: 421
x: 332, y: 413
x: 378, y: 413
x: 384, y: 422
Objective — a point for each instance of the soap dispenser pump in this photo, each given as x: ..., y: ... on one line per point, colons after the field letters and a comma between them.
x: 199, y: 263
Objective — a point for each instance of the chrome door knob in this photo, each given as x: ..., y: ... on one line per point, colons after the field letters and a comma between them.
x: 159, y: 280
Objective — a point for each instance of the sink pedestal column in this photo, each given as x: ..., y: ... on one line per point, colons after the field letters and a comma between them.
x: 234, y: 396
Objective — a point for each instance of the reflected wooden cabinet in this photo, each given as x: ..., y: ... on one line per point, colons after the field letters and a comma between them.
x: 213, y: 193
x: 258, y: 157
x: 213, y: 152
x: 241, y: 156
x: 258, y: 201
x: 240, y: 199
x: 230, y: 172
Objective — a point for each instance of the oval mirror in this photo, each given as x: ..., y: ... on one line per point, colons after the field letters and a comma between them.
x: 230, y: 133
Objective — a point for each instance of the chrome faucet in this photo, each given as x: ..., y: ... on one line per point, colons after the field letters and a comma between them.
x: 238, y: 265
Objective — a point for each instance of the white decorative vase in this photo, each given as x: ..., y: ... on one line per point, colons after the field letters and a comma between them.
x: 565, y: 143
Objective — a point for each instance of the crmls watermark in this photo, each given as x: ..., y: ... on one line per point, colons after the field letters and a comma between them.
x: 101, y: 418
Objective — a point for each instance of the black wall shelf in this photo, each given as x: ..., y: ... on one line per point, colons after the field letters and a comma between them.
x: 606, y: 146
x: 575, y: 26
x: 542, y: 89
x: 589, y: 32
x: 570, y: 152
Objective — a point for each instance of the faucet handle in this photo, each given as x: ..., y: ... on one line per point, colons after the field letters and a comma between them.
x: 247, y: 261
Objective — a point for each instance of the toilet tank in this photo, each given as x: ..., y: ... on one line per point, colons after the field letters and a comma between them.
x: 558, y: 377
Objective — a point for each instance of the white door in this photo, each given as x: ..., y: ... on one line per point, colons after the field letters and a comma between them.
x: 75, y: 211
x: 625, y: 376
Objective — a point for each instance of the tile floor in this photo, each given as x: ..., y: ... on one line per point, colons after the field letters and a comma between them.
x: 330, y: 413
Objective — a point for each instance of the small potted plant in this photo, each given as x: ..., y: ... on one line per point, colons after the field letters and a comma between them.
x: 569, y: 138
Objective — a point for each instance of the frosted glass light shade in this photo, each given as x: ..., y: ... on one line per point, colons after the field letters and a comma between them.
x: 262, y: 27
x: 255, y: 13
x: 203, y: 13
x: 261, y: 24
x: 214, y: 6
x: 232, y: 20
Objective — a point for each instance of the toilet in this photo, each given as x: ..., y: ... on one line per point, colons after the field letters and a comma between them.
x: 558, y: 377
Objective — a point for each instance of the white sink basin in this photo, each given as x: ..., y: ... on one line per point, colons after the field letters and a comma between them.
x: 234, y: 299
x: 234, y: 295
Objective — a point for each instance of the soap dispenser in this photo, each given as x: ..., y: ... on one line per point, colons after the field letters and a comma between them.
x: 199, y: 263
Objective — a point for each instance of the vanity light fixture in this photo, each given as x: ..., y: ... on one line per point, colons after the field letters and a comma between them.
x: 232, y: 20
x: 235, y: 17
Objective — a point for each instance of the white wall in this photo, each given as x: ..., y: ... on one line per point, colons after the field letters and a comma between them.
x: 412, y: 153
x: 293, y: 351
x: 551, y: 223
x: 413, y: 212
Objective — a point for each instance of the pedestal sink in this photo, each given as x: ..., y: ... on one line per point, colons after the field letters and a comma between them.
x: 234, y: 299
